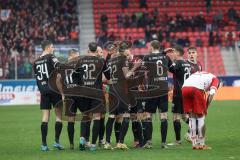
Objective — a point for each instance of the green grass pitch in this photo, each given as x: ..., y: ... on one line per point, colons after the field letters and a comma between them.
x: 20, y: 138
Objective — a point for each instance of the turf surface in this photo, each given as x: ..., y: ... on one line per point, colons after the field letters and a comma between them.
x: 20, y: 138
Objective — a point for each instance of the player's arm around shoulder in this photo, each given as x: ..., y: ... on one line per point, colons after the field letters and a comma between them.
x: 129, y: 72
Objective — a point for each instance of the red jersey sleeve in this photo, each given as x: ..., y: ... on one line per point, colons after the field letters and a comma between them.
x: 214, y: 83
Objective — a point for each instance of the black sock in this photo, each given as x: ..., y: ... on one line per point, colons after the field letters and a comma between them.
x: 88, y: 126
x: 177, y: 129
x: 95, y: 130
x: 102, y: 129
x: 144, y: 132
x: 164, y: 128
x: 134, y: 130
x: 187, y: 121
x: 148, y: 129
x: 124, y: 129
x: 44, y: 131
x: 83, y: 129
x: 70, y: 130
x: 58, y: 130
x: 109, y: 127
x: 139, y: 132
x: 117, y: 128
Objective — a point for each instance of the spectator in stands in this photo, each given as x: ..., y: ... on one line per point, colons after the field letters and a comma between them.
x: 111, y: 37
x: 199, y: 42
x: 186, y: 42
x: 218, y: 39
x: 27, y: 68
x: 127, y: 21
x: 55, y: 20
x: 200, y: 22
x: 124, y: 4
x: 133, y: 20
x: 127, y: 37
x: 230, y: 39
x: 160, y: 35
x: 238, y: 21
x: 208, y: 4
x: 232, y: 13
x: 104, y: 22
x: 155, y: 13
x: 74, y: 34
x: 102, y: 38
x: 181, y: 41
x: 191, y: 23
x: 143, y: 4
x: 147, y: 34
x: 173, y: 41
x: 209, y: 21
x: 217, y: 19
x: 140, y: 22
x: 179, y: 22
x: 211, y: 39
x: 120, y: 18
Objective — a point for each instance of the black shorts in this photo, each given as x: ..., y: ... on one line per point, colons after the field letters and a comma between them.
x: 120, y: 108
x: 123, y: 108
x: 138, y: 108
x: 49, y: 99
x: 177, y: 104
x: 73, y: 103
x: 160, y: 102
x: 85, y: 105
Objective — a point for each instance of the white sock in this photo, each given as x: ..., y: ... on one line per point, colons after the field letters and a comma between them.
x: 201, y: 139
x: 193, y: 127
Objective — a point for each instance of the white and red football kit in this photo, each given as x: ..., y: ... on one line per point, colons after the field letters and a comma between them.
x: 194, y: 89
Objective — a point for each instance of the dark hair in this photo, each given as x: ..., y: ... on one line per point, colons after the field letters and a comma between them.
x: 45, y: 44
x: 124, y: 46
x: 179, y: 49
x: 191, y: 48
x: 72, y: 51
x: 92, y: 46
x: 155, y: 44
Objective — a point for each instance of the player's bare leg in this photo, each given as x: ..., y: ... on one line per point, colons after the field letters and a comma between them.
x: 187, y: 137
x: 147, y: 129
x: 44, y: 129
x: 164, y: 128
x: 58, y: 127
x: 193, y: 130
x: 201, y: 133
x: 95, y: 130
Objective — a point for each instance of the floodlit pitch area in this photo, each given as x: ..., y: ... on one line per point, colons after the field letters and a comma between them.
x: 20, y: 138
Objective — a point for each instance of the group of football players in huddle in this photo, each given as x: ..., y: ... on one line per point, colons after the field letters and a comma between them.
x: 137, y: 88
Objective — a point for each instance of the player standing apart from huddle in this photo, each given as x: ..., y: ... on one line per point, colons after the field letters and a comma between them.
x: 43, y: 67
x: 195, y: 104
x: 181, y: 71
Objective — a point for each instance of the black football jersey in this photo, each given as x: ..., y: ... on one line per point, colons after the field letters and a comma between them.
x: 115, y: 65
x: 43, y: 67
x: 157, y: 65
x: 181, y: 70
x: 93, y: 68
x: 195, y: 67
x: 70, y: 76
x: 118, y: 81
